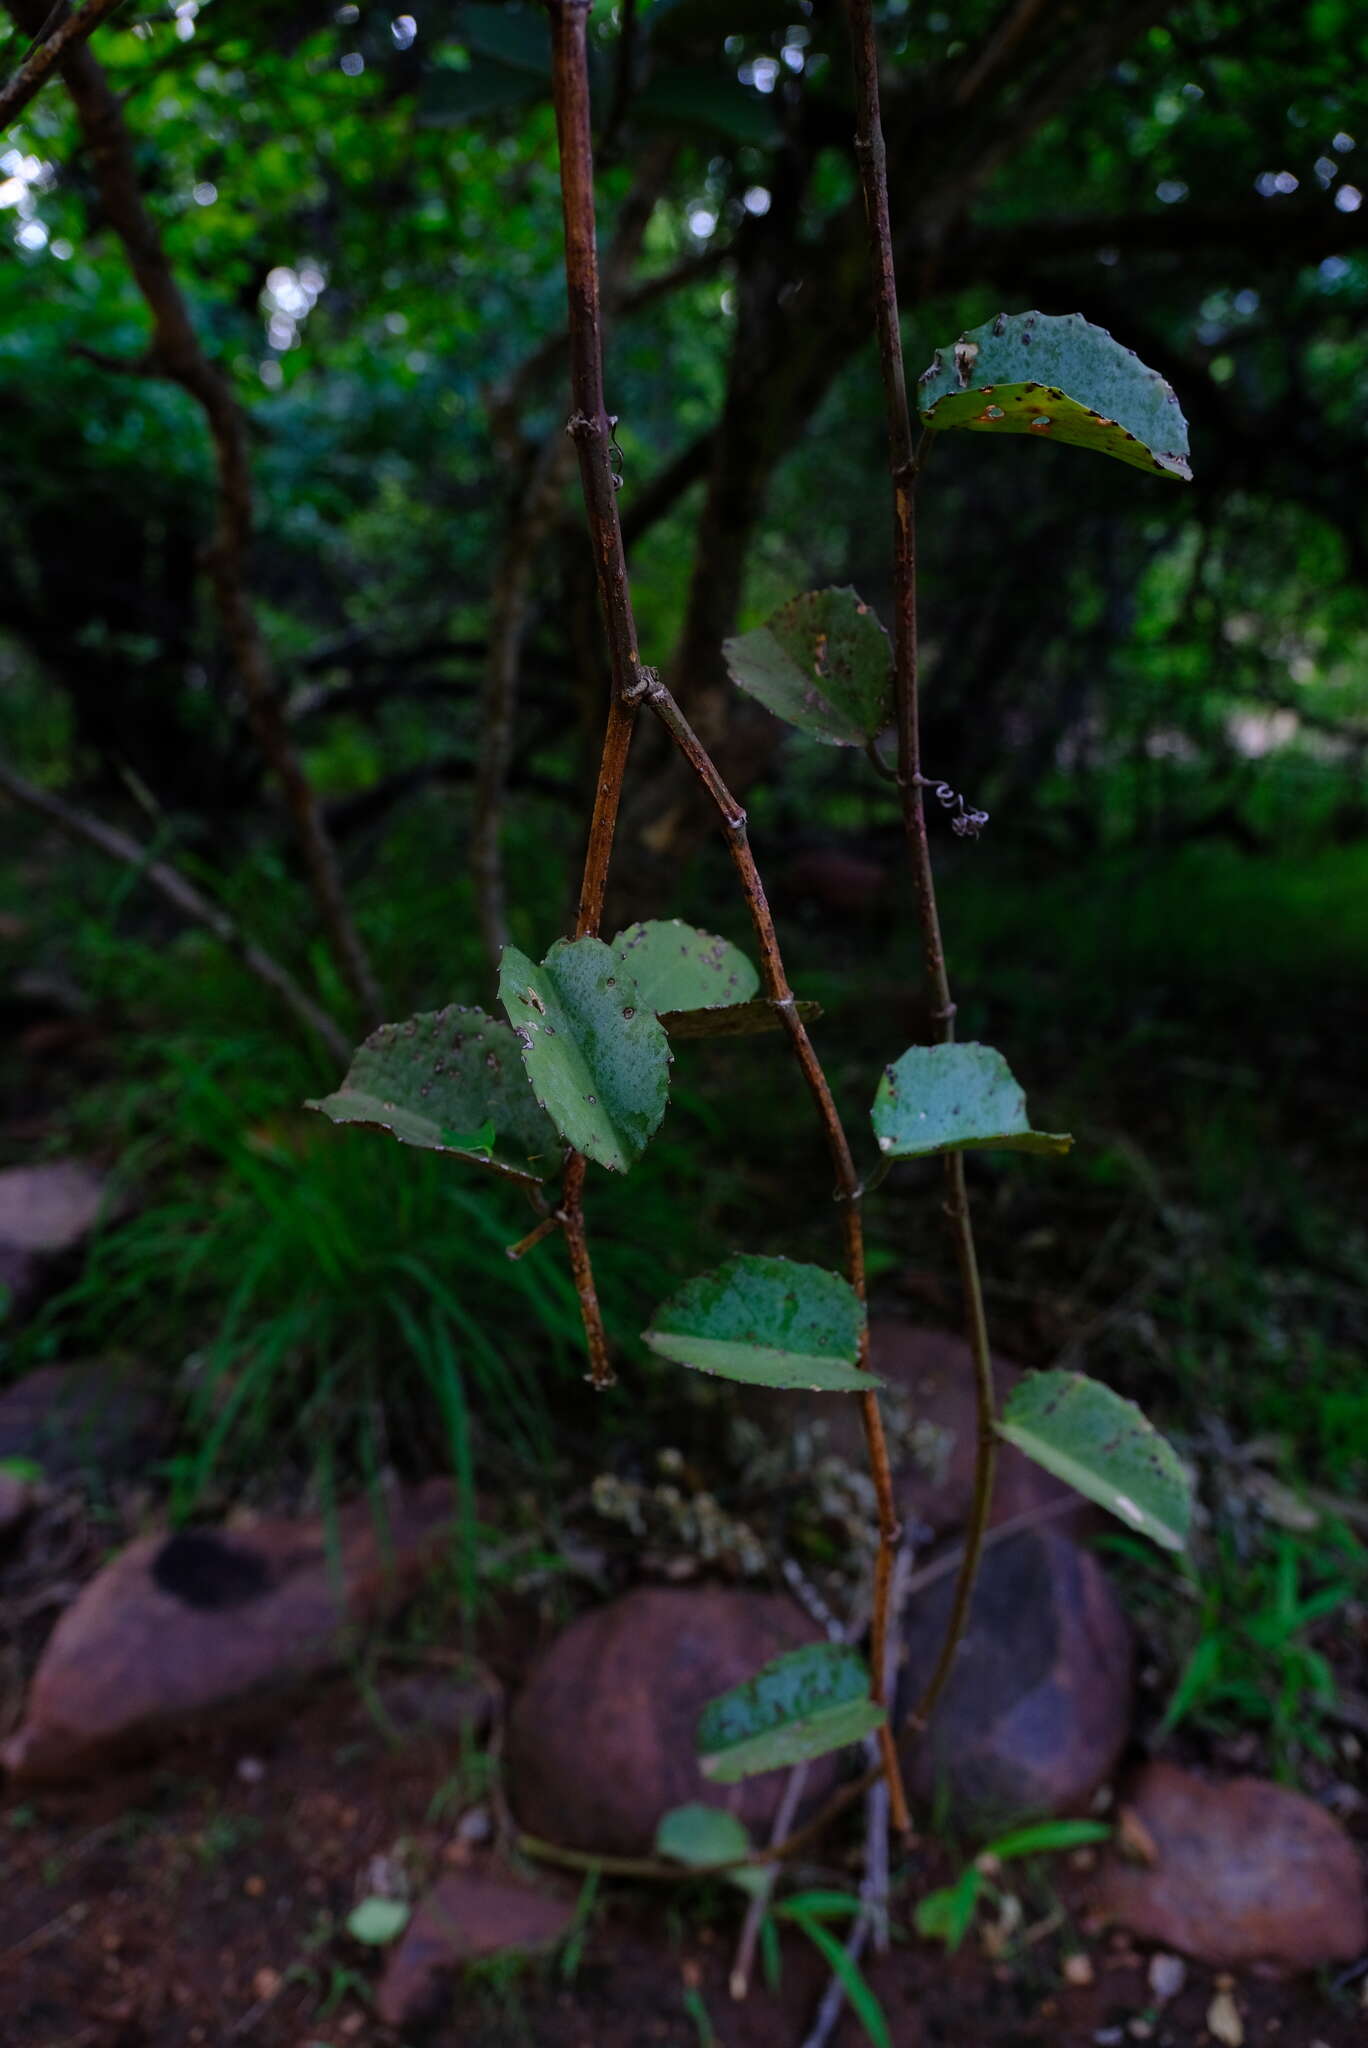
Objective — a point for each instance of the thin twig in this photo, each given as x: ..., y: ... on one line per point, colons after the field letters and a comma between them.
x: 905, y: 460
x: 758, y: 1904
x: 170, y: 883
x: 774, y: 980
x: 41, y: 61
x: 181, y: 358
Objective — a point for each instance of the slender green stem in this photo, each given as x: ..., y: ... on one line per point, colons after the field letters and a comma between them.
x: 906, y: 458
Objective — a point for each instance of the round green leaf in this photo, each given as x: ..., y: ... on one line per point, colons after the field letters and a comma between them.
x: 377, y: 1922
x: 954, y: 1098
x: 768, y: 1321
x: 597, y: 1058
x: 801, y: 1705
x: 1102, y: 1445
x: 1058, y: 378
x: 450, y: 1081
x: 676, y: 967
x: 823, y: 663
x: 703, y: 1835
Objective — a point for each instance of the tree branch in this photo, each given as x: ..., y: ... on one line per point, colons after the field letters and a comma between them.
x: 42, y: 60
x: 182, y: 359
x: 171, y: 884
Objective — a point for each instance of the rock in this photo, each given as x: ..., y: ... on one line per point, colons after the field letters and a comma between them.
x: 601, y: 1738
x: 16, y: 1501
x: 933, y: 1426
x: 46, y: 1214
x: 178, y: 1630
x: 99, y: 1417
x: 470, y: 1915
x: 933, y: 1371
x: 1245, y: 1872
x: 1037, y: 1709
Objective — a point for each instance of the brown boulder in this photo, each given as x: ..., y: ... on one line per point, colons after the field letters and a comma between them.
x: 1037, y: 1709
x: 97, y: 1416
x: 932, y: 1420
x: 601, y: 1738
x: 180, y: 1629
x: 465, y: 1917
x: 46, y: 1214
x: 1242, y: 1872
x: 933, y: 1372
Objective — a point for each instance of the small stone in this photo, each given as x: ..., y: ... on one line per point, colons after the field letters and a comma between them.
x: 1223, y: 2021
x: 267, y: 1982
x: 250, y: 1770
x: 254, y: 1886
x: 1167, y: 1976
x: 1078, y: 1969
x: 467, y: 1916
x: 1134, y: 1840
x: 1244, y: 1872
x: 46, y: 1214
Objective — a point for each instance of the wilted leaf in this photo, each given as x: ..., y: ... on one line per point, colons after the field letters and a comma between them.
x: 1058, y: 378
x: 823, y: 663
x: 801, y: 1705
x: 676, y: 967
x: 768, y: 1321
x: 1102, y: 1445
x: 951, y: 1098
x: 449, y: 1081
x: 597, y: 1058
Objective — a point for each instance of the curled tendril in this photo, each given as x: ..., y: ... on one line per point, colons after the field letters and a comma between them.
x: 965, y: 821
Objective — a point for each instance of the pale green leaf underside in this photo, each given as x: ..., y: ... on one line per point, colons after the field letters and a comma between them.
x: 439, y: 1081
x: 676, y: 967
x: 597, y: 1059
x: 377, y: 1921
x: 770, y: 1322
x: 736, y: 1020
x: 700, y: 1836
x: 801, y: 1705
x: 954, y: 1098
x: 823, y: 663
x: 1058, y: 378
x: 1105, y: 1447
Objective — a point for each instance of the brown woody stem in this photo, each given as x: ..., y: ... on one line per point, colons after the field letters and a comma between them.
x: 905, y: 460
x: 848, y: 1189
x: 592, y: 433
x: 41, y: 61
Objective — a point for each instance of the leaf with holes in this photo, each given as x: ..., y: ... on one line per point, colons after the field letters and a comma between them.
x: 449, y: 1081
x: 1058, y: 378
x: 954, y: 1098
x: 1102, y: 1445
x: 676, y: 967
x: 597, y: 1058
x: 703, y: 1835
x: 736, y: 1020
x: 823, y: 663
x: 801, y: 1705
x: 770, y: 1322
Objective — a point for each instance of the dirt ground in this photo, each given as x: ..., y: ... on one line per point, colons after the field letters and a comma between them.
x: 203, y: 1901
